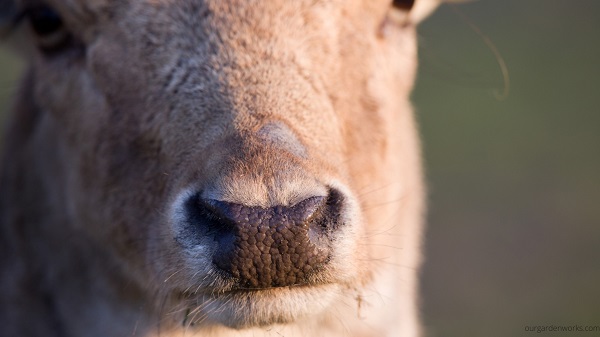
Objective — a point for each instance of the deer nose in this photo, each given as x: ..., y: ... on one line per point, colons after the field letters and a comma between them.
x: 271, y: 247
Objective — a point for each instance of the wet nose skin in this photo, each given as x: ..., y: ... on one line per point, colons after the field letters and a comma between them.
x: 271, y: 247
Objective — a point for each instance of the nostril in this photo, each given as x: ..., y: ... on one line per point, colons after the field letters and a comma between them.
x: 268, y: 247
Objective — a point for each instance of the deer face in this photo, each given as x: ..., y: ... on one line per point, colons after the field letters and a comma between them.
x: 230, y: 155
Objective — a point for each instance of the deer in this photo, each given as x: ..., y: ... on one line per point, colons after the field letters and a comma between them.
x: 212, y: 168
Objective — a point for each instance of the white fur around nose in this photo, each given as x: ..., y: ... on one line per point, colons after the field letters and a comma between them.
x: 285, y: 185
x: 253, y: 191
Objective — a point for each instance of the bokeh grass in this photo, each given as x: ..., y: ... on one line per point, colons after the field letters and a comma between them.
x: 514, y: 226
x: 10, y: 68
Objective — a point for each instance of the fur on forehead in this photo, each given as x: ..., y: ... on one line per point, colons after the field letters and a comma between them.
x: 85, y: 8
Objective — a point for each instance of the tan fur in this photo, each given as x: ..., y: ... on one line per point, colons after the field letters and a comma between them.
x: 261, y: 103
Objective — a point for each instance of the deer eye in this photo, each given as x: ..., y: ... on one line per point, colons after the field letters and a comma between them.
x: 48, y: 28
x: 403, y: 4
x: 399, y: 13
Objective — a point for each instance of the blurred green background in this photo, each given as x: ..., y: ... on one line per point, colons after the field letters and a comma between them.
x: 514, y: 183
x: 514, y: 218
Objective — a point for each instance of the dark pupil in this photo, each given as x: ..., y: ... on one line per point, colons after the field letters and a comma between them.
x: 44, y: 21
x: 403, y: 4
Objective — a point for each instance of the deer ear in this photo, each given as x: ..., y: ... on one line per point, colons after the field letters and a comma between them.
x: 421, y: 9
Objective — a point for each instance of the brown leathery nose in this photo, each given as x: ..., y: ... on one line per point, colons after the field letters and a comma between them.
x: 271, y: 247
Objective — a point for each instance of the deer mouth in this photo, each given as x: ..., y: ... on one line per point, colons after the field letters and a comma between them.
x: 255, y: 266
x: 246, y: 308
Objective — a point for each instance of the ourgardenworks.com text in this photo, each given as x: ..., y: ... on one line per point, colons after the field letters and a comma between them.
x: 562, y: 328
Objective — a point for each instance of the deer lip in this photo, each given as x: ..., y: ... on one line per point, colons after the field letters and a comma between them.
x: 245, y: 308
x: 249, y: 291
x: 234, y: 291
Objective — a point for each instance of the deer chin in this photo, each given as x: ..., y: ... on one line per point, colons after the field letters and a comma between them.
x: 249, y: 308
